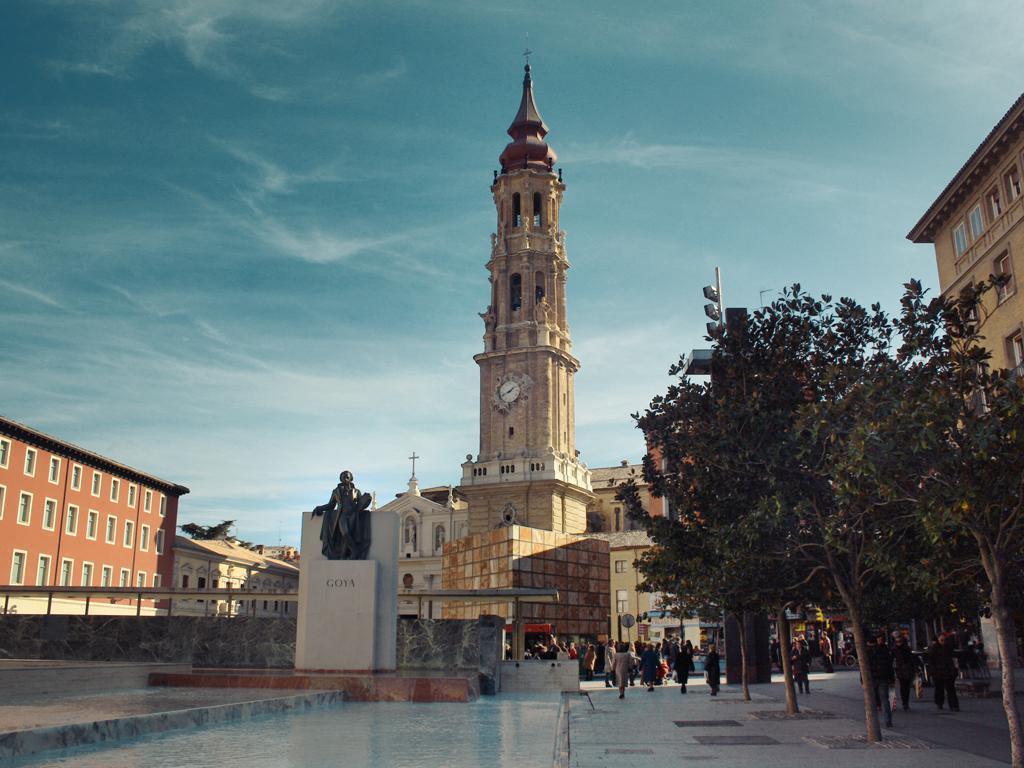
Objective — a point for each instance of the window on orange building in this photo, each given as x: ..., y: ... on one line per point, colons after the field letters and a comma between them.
x: 5, y: 452
x: 43, y: 571
x: 71, y: 525
x: 160, y: 542
x: 156, y: 579
x: 54, y: 469
x: 131, y: 494
x: 129, y: 534
x: 49, y: 514
x: 76, y: 477
x: 86, y: 574
x: 111, y: 529
x: 149, y: 501
x: 67, y: 567
x: 140, y: 579
x: 18, y: 566
x: 144, y: 538
x: 25, y: 509
x: 115, y: 488
x: 126, y: 578
x: 163, y: 506
x: 97, y: 481
x: 30, y: 462
x: 92, y: 522
x: 3, y: 500
x: 106, y: 576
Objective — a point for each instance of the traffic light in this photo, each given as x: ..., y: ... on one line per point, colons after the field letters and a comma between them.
x: 713, y: 293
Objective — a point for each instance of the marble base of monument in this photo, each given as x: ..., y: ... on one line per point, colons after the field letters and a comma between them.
x: 348, y: 609
x: 337, y: 603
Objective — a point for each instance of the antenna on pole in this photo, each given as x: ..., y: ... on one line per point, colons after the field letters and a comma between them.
x: 527, y: 52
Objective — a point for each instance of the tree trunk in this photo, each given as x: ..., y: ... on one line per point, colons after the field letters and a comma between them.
x: 785, y: 641
x: 873, y: 729
x: 1007, y: 652
x: 744, y: 661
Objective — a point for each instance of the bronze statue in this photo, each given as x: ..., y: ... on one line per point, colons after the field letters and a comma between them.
x: 345, y: 530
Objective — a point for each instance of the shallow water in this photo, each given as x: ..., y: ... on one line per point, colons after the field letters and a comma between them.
x: 506, y: 730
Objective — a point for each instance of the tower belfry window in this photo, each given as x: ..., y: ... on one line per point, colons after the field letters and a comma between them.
x: 538, y: 294
x: 517, y: 218
x: 536, y: 209
x: 515, y: 292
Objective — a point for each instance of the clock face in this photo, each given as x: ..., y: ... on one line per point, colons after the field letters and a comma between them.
x: 509, y: 391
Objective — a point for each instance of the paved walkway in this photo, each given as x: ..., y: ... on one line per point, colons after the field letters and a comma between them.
x: 665, y: 727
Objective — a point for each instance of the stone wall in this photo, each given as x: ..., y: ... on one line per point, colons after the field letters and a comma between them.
x: 241, y: 641
x: 198, y: 640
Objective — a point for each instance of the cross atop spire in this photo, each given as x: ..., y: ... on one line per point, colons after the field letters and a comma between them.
x: 413, y: 458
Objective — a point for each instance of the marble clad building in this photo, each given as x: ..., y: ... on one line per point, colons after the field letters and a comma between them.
x: 517, y: 556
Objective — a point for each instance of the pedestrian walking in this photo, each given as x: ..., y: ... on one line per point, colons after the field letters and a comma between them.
x: 650, y: 660
x: 800, y: 662
x: 942, y: 667
x: 825, y: 646
x: 712, y: 673
x: 589, y: 661
x: 776, y: 657
x: 903, y: 661
x: 634, y: 667
x: 574, y: 652
x: 609, y: 664
x: 623, y: 664
x: 684, y: 665
x: 882, y: 675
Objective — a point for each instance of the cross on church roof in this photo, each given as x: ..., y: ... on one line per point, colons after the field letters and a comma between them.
x: 414, y: 457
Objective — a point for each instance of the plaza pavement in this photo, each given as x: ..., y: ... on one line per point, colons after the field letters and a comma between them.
x: 641, y: 729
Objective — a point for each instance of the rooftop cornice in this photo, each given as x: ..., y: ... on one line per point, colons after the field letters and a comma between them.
x: 970, y: 174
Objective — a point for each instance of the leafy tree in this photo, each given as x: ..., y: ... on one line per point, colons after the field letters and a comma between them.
x: 974, y: 435
x: 779, y: 459
x: 218, y: 531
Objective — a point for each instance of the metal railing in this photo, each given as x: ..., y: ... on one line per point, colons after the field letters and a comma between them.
x: 140, y: 593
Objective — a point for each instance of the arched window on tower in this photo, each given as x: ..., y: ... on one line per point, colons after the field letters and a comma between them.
x: 515, y: 292
x: 538, y: 291
x: 536, y: 209
x: 517, y: 218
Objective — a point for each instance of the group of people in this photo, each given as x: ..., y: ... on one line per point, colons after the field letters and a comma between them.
x: 890, y: 665
x: 653, y: 663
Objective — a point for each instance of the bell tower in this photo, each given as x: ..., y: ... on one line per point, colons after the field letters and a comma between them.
x: 527, y: 471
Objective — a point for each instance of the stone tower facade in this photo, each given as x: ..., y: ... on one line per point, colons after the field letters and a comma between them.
x: 527, y: 471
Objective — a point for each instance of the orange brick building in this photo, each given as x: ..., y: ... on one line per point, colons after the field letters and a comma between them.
x: 70, y: 517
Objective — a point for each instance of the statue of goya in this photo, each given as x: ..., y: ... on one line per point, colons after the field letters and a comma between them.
x: 345, y: 530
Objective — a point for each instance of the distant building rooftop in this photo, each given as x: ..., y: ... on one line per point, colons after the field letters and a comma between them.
x: 607, y: 477
x: 624, y: 539
x: 231, y: 550
x: 56, y: 445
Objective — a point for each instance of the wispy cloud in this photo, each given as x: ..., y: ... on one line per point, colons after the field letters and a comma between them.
x: 24, y: 290
x: 800, y: 178
x: 275, y: 178
x: 60, y: 68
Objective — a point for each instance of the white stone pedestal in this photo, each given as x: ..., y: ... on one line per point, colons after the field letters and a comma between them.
x: 348, y: 609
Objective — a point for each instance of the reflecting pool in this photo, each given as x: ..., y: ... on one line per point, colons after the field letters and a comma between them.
x: 506, y: 730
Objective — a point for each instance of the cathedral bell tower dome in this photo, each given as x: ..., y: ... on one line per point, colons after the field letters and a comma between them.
x: 527, y: 471
x: 527, y: 148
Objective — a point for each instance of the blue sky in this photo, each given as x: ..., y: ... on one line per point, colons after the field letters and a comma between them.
x: 242, y: 242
